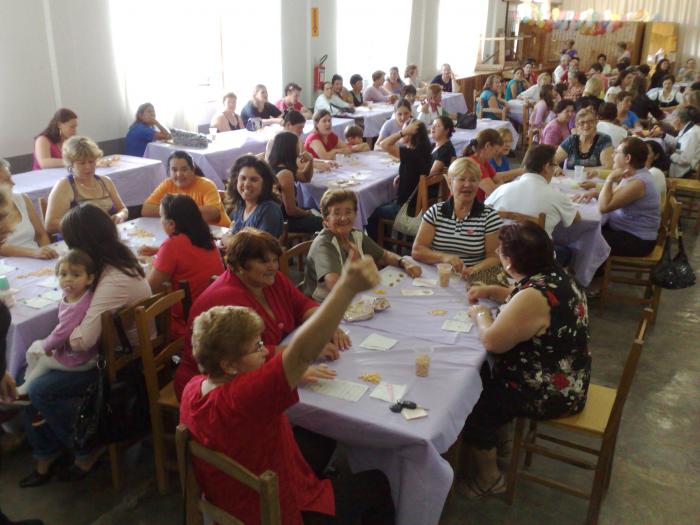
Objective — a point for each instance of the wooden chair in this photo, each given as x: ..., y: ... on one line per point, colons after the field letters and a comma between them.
x: 688, y: 194
x: 423, y: 202
x: 156, y: 353
x: 299, y: 251
x: 118, y: 354
x: 600, y: 418
x: 266, y: 485
x: 290, y: 239
x: 618, y: 268
x: 521, y: 217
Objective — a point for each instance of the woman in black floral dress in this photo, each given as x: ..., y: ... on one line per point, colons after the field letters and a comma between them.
x: 540, y: 344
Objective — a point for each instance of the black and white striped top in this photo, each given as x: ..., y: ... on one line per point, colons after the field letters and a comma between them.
x: 465, y: 238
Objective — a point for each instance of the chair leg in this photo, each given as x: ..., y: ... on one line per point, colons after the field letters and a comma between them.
x: 159, y: 449
x: 656, y: 299
x: 515, y: 459
x: 115, y: 460
x: 606, y: 283
x: 530, y: 439
x: 598, y: 491
x: 608, y: 473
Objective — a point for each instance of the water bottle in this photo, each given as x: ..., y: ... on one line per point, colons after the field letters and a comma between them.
x: 5, y: 292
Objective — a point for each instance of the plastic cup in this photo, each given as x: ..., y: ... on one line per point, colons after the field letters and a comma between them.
x: 579, y: 173
x: 213, y: 132
x: 444, y: 272
x: 423, y: 357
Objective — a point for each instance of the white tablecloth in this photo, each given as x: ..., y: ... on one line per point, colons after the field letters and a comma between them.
x: 408, y: 452
x: 461, y: 137
x: 516, y: 109
x: 454, y: 102
x: 216, y: 160
x: 134, y: 177
x: 584, y: 238
x: 374, y: 172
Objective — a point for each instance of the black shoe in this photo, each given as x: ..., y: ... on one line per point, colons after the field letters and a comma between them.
x: 75, y: 473
x: 35, y: 479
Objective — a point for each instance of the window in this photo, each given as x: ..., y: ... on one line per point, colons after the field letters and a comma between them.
x: 460, y: 25
x: 372, y: 35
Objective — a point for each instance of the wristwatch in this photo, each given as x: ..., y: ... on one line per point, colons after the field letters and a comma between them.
x: 402, y: 262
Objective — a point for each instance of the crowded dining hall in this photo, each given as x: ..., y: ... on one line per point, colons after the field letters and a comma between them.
x: 442, y: 274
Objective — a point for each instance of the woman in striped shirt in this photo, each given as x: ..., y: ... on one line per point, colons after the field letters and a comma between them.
x: 461, y: 231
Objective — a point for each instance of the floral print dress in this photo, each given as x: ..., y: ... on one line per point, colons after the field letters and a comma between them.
x: 551, y: 371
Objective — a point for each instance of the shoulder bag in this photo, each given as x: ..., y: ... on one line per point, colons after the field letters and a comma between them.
x: 676, y: 273
x: 405, y: 223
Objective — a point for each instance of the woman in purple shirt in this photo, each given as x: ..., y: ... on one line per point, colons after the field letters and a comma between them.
x: 557, y: 129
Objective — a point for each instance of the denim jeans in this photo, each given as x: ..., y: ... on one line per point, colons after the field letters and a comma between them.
x: 56, y: 396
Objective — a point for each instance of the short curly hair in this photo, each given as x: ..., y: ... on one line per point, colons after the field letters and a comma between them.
x: 333, y: 197
x: 251, y: 244
x: 221, y: 333
x: 79, y: 148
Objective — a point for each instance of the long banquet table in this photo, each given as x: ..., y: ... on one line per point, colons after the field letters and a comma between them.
x: 216, y: 159
x: 134, y: 177
x: 408, y: 452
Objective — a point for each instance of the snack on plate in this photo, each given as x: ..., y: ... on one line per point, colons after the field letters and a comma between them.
x: 372, y: 377
x: 37, y: 273
x: 380, y: 304
x: 139, y: 232
x: 437, y: 311
x: 358, y: 312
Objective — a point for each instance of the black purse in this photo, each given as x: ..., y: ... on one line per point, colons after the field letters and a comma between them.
x: 676, y: 273
x: 466, y: 120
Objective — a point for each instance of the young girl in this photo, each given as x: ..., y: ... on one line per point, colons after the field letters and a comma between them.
x: 76, y: 275
x: 500, y: 161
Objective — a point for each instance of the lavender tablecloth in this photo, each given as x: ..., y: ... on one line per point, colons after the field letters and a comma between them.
x: 408, y: 452
x: 584, y: 238
x: 216, y: 160
x: 372, y: 173
x: 454, y: 102
x: 373, y: 117
x: 134, y: 177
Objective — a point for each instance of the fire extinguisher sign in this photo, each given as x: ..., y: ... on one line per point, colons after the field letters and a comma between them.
x: 314, y: 22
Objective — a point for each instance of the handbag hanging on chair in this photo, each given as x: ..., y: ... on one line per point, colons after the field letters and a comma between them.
x: 676, y: 273
x: 405, y: 223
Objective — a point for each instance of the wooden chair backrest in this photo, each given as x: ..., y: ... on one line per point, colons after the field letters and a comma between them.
x: 187, y: 299
x: 423, y: 199
x: 669, y: 218
x: 521, y: 217
x: 157, y: 351
x: 628, y: 373
x: 298, y: 251
x: 112, y: 345
x: 266, y: 485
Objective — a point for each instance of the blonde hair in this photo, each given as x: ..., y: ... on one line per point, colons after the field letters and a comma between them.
x: 79, y: 148
x: 220, y: 333
x: 593, y: 87
x: 586, y: 112
x: 542, y: 77
x: 434, y: 90
x: 332, y: 197
x: 505, y: 134
x: 463, y: 166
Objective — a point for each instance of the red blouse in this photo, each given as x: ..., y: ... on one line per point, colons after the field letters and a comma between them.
x: 329, y: 144
x: 245, y: 420
x: 287, y: 303
x: 487, y: 171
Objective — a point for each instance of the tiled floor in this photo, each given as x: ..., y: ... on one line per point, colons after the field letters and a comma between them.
x: 656, y: 477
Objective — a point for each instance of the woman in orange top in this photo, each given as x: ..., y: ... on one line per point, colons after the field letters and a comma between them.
x: 186, y: 179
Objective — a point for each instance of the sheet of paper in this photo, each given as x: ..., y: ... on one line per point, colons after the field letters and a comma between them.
x: 462, y: 317
x: 38, y: 302
x: 414, y: 413
x: 53, y: 295
x: 391, y: 276
x: 388, y: 392
x: 457, y: 326
x: 422, y: 281
x: 340, y: 388
x: 416, y: 292
x: 49, y: 282
x: 6, y: 268
x: 378, y: 342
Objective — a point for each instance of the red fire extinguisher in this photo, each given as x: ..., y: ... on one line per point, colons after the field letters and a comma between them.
x: 320, y: 73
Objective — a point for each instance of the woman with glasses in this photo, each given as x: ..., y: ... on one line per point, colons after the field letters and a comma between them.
x: 252, y: 279
x: 332, y: 247
x: 587, y: 147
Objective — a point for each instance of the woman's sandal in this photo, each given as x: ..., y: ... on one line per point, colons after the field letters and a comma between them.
x: 474, y: 491
x: 74, y: 473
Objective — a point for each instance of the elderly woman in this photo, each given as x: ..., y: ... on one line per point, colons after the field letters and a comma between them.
x: 252, y: 279
x: 258, y: 107
x: 574, y: 90
x: 445, y: 78
x: 460, y: 231
x: 331, y: 248
x: 291, y: 100
x: 56, y: 395
x: 686, y: 145
x: 516, y: 85
x: 631, y: 201
x: 588, y: 147
x: 186, y: 179
x: 329, y: 101
x: 490, y: 104
x: 48, y: 145
x: 143, y: 130
x: 26, y: 234
x: 540, y: 344
x: 376, y: 92
x: 255, y: 202
x: 322, y: 142
x: 189, y: 253
x: 403, y: 110
x: 394, y: 83
x: 228, y: 119
x: 82, y: 185
x: 238, y: 409
x: 287, y: 163
x: 667, y: 96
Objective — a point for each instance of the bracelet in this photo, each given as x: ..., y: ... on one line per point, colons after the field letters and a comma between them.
x: 402, y: 262
x: 483, y: 313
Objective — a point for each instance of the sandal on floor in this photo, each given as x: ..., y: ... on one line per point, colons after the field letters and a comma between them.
x: 474, y: 491
x: 74, y: 473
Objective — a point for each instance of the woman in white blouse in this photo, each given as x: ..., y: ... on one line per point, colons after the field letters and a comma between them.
x: 28, y: 237
x: 667, y: 96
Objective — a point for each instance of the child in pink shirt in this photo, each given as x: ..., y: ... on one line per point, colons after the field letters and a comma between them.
x: 76, y: 275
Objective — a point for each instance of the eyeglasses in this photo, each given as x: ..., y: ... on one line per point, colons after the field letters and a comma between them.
x: 586, y: 122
